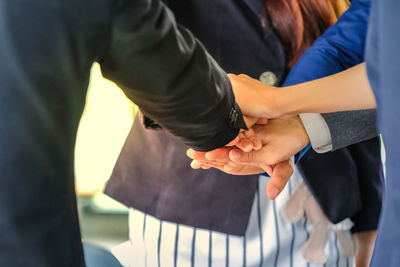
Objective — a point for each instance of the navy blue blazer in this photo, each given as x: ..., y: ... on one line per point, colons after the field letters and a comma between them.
x: 383, y: 57
x: 232, y: 33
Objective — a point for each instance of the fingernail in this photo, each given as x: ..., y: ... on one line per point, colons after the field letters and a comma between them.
x: 248, y: 148
x: 274, y: 192
x: 235, y: 154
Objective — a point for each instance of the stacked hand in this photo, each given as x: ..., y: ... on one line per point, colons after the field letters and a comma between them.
x: 264, y: 148
x: 268, y: 146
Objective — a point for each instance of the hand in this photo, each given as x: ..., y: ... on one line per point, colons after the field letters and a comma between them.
x: 257, y: 99
x: 247, y: 140
x: 219, y: 159
x: 346, y: 90
x: 281, y: 140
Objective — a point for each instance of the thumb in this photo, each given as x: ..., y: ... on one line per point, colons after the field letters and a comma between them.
x: 234, y: 141
x: 250, y: 121
x: 254, y: 157
x: 280, y: 175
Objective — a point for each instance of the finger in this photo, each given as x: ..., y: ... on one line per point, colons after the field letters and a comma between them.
x: 250, y: 134
x: 195, y: 154
x: 195, y: 164
x: 245, y: 144
x: 250, y: 121
x: 255, y: 157
x: 279, y: 178
x: 211, y: 164
x: 233, y: 169
x: 233, y: 142
x: 257, y: 145
x: 219, y: 154
x: 234, y: 164
x: 242, y: 170
x: 267, y: 168
x: 208, y: 165
x: 268, y: 155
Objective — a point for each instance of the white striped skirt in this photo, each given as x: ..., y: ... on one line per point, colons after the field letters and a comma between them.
x: 269, y: 240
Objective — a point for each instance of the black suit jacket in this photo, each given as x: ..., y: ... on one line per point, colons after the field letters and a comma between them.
x: 47, y: 48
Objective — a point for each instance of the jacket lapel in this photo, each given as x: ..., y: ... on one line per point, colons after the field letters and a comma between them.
x: 254, y: 9
x: 255, y: 6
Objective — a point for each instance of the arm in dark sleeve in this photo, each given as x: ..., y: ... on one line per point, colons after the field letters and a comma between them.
x: 170, y: 75
x: 351, y: 127
x: 341, y: 47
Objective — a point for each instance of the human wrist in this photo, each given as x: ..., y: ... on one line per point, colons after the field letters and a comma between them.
x: 274, y: 103
x: 298, y: 123
x: 288, y: 102
x: 301, y: 98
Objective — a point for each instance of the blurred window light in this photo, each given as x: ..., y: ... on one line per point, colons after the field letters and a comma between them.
x: 104, y: 126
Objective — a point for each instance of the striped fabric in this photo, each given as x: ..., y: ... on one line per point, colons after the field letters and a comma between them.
x: 269, y: 241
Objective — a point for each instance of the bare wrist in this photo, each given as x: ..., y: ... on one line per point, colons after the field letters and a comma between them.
x: 286, y: 103
x: 298, y: 123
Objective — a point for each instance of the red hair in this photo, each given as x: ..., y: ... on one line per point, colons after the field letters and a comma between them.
x: 299, y: 22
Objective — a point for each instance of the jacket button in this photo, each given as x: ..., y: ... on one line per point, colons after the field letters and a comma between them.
x: 269, y: 78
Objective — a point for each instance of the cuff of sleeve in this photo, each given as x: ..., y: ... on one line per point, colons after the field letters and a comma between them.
x: 235, y: 118
x: 318, y: 132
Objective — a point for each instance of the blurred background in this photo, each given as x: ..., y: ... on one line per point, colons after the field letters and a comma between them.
x: 106, y: 121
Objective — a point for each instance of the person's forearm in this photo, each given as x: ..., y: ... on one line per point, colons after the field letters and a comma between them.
x: 347, y: 90
x: 365, y: 242
x: 170, y: 76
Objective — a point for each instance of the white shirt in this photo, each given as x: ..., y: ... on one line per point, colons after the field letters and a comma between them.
x: 318, y: 132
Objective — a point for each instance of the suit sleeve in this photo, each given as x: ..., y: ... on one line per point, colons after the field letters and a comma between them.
x: 167, y: 72
x: 341, y: 47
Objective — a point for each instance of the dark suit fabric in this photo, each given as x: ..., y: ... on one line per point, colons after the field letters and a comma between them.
x: 383, y: 57
x: 161, y: 183
x: 165, y: 186
x: 47, y: 48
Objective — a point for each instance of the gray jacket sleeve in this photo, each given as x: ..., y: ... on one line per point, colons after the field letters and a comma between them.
x: 351, y: 127
x: 167, y: 72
